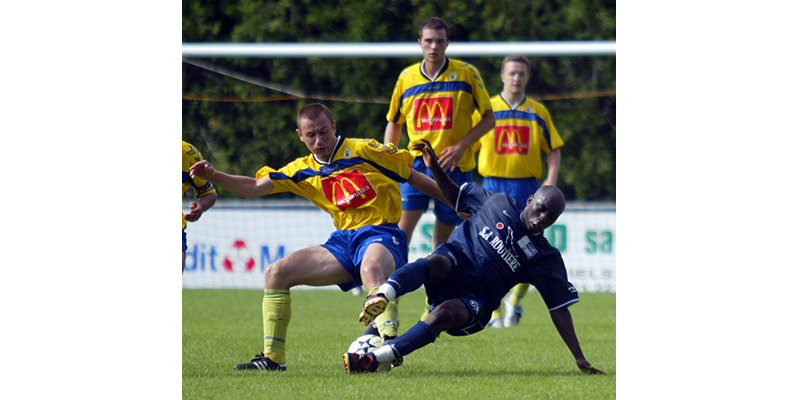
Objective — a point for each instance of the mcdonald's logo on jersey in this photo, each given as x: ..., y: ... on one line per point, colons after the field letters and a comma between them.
x: 433, y: 114
x: 512, y: 140
x: 349, y: 189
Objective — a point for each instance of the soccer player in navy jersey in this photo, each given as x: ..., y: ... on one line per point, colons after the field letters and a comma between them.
x: 510, y: 156
x: 466, y: 277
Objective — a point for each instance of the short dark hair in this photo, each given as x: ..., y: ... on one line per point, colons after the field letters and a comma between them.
x: 312, y: 111
x: 520, y: 59
x: 434, y: 23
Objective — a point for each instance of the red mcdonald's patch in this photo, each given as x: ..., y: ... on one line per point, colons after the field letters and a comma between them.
x: 512, y: 140
x: 349, y: 189
x: 433, y: 114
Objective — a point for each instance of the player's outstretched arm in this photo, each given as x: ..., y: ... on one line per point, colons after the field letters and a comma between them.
x: 242, y: 186
x: 565, y: 326
x: 426, y: 185
x: 448, y: 188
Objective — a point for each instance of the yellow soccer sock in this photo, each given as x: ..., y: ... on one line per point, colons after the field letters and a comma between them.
x: 276, y: 316
x: 496, y: 314
x: 388, y: 322
x: 518, y: 293
x: 425, y: 314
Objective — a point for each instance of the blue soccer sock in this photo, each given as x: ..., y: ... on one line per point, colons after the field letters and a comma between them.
x: 415, y: 338
x: 407, y: 278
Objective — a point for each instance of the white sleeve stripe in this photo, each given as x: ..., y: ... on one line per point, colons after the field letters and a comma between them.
x: 457, y: 204
x: 568, y: 303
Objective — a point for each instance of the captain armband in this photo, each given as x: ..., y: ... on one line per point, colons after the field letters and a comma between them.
x: 204, y: 189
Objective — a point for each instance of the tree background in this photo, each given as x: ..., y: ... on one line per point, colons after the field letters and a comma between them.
x: 240, y: 127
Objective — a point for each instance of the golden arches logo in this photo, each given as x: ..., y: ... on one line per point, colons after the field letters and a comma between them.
x: 348, y: 189
x: 441, y: 105
x: 512, y: 139
x: 348, y: 196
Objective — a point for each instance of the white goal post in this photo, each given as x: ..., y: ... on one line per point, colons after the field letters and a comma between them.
x: 398, y: 49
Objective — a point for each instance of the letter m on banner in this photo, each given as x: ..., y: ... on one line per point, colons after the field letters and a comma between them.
x: 433, y: 114
x: 512, y: 140
x: 349, y: 189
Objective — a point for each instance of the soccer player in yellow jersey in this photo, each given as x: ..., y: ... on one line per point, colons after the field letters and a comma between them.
x: 206, y: 193
x: 510, y: 155
x: 357, y: 182
x: 434, y: 99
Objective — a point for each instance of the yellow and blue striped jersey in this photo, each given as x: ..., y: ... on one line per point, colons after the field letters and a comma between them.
x: 201, y: 187
x: 358, y: 187
x: 512, y: 149
x: 439, y: 110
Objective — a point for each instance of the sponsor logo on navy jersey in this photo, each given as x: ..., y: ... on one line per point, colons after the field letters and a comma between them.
x: 501, y: 250
x: 526, y: 245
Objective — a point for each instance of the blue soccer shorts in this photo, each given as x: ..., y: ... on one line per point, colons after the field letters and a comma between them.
x: 518, y: 188
x: 413, y: 199
x: 349, y: 247
x: 458, y: 285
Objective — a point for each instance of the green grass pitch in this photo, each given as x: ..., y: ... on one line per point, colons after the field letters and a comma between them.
x: 224, y: 327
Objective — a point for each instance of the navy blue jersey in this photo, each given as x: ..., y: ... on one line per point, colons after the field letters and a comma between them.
x: 499, y: 252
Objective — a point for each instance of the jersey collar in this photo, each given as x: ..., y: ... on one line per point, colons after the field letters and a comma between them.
x: 513, y: 106
x: 437, y: 73
x: 332, y: 154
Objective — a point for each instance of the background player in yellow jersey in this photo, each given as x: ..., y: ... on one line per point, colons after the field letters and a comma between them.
x: 434, y: 99
x: 206, y: 193
x: 357, y: 182
x: 510, y: 156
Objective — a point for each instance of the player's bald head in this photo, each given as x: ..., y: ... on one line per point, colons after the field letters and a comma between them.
x: 553, y: 198
x: 543, y: 208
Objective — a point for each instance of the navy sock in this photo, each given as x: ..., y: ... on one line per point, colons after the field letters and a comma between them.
x: 415, y: 338
x: 409, y: 277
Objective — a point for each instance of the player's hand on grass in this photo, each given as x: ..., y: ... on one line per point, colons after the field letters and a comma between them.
x: 585, y: 367
x: 202, y: 170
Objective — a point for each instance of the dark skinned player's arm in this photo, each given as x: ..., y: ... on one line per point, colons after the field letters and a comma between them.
x: 448, y: 188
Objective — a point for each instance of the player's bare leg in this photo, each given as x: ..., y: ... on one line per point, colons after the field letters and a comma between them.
x: 441, y: 233
x: 409, y: 221
x: 377, y: 265
x: 314, y: 266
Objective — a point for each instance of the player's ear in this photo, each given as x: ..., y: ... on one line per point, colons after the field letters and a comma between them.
x: 299, y: 133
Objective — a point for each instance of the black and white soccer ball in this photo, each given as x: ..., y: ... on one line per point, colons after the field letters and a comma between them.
x: 365, y: 344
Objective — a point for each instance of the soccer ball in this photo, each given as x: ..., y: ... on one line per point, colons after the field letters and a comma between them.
x: 365, y: 344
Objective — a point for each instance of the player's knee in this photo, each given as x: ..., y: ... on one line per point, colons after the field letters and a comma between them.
x: 448, y: 315
x: 275, y: 274
x: 374, y: 275
x: 439, y: 268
